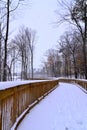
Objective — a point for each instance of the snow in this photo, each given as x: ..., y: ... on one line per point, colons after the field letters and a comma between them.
x: 19, y: 118
x: 63, y: 109
x: 10, y: 84
x: 22, y: 115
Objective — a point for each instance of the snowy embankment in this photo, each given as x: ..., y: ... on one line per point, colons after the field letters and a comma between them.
x: 63, y: 109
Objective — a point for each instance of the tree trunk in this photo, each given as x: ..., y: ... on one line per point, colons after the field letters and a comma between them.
x: 0, y: 52
x: 5, y: 46
x: 75, y: 66
x: 32, y: 64
x: 84, y: 46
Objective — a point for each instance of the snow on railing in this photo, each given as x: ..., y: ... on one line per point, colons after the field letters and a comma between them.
x: 81, y: 82
x: 14, y: 100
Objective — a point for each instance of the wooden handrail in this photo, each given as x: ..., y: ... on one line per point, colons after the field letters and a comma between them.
x: 13, y: 101
x: 81, y: 82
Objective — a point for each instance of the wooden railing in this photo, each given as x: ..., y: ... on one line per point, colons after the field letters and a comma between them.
x: 13, y: 101
x: 82, y: 83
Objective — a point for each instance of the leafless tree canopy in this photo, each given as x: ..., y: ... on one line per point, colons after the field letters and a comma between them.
x: 25, y: 43
x: 74, y: 12
x: 7, y: 8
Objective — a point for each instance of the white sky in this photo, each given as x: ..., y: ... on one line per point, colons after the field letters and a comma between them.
x: 40, y: 15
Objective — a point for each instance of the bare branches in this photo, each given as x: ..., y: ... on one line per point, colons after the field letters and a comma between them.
x: 12, y: 9
x: 64, y: 12
x: 67, y: 13
x: 25, y: 42
x: 6, y: 8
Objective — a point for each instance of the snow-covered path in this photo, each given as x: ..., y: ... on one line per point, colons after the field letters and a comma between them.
x: 63, y: 109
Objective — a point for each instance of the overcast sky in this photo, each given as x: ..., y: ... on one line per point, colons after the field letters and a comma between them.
x: 40, y: 15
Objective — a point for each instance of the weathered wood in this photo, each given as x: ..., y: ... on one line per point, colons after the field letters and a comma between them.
x: 13, y: 101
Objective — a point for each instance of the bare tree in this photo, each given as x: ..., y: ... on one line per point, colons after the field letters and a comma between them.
x: 25, y: 42
x: 31, y: 37
x: 66, y: 56
x: 53, y: 63
x: 70, y: 46
x: 6, y: 40
x: 6, y: 9
x: 0, y: 51
x: 20, y: 43
x: 75, y: 14
x: 13, y: 59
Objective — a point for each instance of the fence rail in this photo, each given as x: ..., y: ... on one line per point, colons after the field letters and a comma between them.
x: 13, y: 101
x: 82, y: 83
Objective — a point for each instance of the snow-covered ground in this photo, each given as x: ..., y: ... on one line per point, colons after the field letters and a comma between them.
x: 63, y: 109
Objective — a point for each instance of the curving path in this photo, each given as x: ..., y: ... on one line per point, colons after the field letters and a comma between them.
x: 63, y: 109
